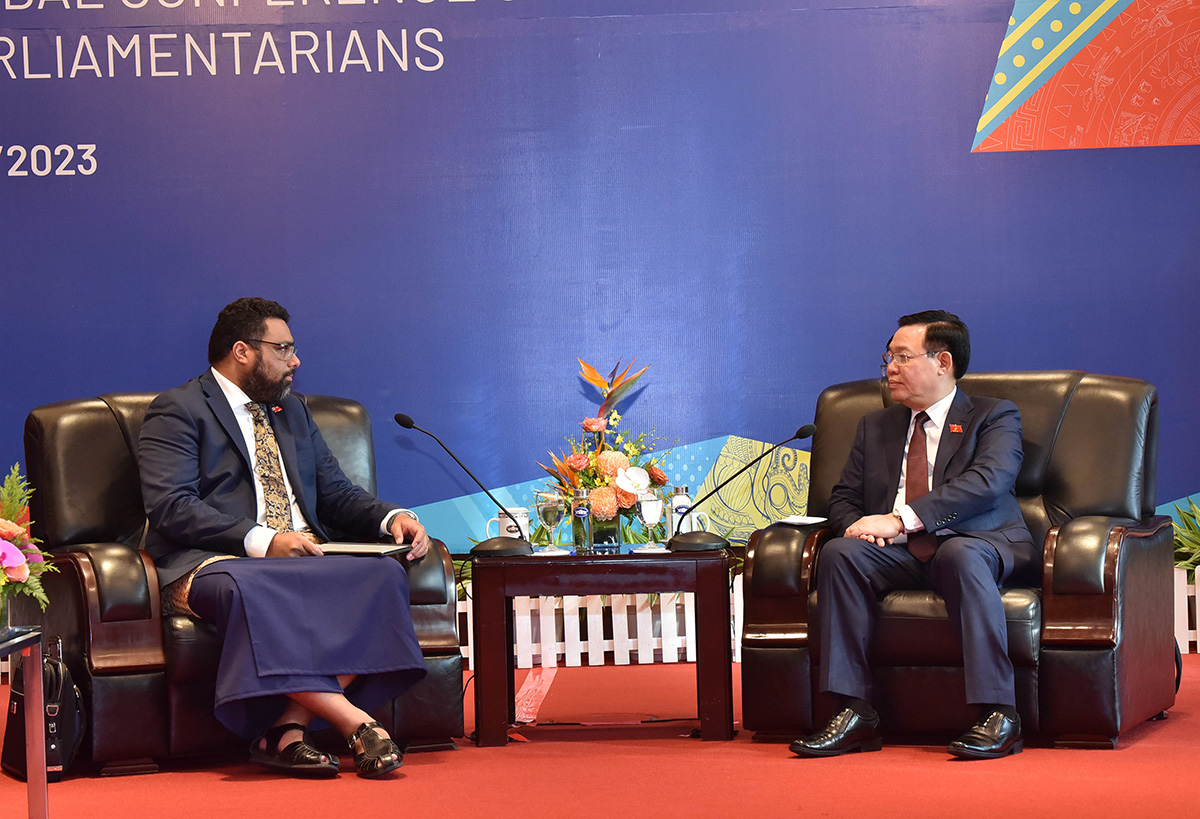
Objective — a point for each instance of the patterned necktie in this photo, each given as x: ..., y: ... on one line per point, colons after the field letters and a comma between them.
x: 266, y: 456
x: 921, y: 545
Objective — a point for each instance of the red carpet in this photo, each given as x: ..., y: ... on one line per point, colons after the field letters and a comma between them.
x: 656, y: 770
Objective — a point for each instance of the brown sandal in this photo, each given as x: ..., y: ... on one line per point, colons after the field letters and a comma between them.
x: 379, y: 755
x: 297, y: 759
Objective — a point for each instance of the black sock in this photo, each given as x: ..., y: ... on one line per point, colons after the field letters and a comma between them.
x: 987, y: 708
x: 860, y: 707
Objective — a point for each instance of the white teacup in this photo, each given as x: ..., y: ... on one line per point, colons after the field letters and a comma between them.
x: 694, y: 522
x: 505, y: 527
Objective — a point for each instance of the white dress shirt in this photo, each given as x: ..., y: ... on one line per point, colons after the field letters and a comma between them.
x: 933, y: 437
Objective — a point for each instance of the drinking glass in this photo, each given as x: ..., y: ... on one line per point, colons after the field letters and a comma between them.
x: 551, y: 511
x: 650, y: 512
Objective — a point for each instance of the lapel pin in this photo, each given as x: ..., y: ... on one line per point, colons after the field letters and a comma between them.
x: 956, y: 428
x: 278, y: 408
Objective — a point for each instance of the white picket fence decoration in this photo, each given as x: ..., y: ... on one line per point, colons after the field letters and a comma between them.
x: 662, y: 631
x: 1186, y: 612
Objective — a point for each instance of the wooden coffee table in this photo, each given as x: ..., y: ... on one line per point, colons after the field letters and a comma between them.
x: 495, y: 580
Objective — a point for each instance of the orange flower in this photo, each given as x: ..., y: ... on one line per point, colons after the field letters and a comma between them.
x: 625, y: 500
x: 604, y: 502
x: 610, y: 461
x: 18, y: 573
x: 577, y: 461
x: 594, y: 424
x: 657, y: 476
x: 12, y: 532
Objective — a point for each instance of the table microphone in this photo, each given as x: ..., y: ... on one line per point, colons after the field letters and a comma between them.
x: 701, y: 541
x: 493, y: 546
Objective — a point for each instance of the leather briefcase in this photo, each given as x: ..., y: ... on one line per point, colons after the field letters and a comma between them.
x: 65, y: 721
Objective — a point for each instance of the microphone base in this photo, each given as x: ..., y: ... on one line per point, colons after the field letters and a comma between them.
x: 697, y: 542
x: 502, y: 547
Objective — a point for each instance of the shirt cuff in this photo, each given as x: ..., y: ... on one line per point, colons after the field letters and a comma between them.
x: 909, y: 518
x: 385, y: 528
x: 258, y: 540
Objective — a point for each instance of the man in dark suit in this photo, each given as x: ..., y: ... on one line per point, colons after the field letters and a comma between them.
x: 235, y: 478
x: 926, y: 500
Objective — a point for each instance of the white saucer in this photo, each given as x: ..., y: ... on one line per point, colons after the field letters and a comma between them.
x: 551, y: 551
x: 650, y: 549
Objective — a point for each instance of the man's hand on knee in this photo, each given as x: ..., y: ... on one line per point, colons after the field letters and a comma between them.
x: 882, y: 530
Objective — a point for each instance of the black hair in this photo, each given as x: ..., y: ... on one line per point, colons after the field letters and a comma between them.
x: 242, y: 320
x: 944, y: 331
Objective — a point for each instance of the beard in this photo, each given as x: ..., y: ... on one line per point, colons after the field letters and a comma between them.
x: 261, y: 389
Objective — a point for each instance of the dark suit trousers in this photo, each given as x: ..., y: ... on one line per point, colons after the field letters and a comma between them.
x: 853, y: 574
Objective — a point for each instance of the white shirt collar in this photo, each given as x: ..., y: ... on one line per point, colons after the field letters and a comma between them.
x: 234, y: 394
x: 938, y: 411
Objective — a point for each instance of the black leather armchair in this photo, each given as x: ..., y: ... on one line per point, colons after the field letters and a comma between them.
x: 1091, y: 638
x: 148, y: 680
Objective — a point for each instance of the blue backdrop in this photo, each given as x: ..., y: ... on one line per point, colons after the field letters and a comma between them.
x: 744, y: 194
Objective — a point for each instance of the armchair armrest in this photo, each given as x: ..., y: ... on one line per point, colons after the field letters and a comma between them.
x: 1084, y: 559
x: 780, y: 560
x: 433, y: 598
x: 104, y: 603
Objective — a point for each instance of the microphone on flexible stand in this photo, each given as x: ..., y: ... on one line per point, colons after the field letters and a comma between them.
x: 701, y: 541
x: 493, y: 546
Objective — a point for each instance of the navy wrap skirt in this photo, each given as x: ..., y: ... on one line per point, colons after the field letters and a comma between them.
x: 292, y: 624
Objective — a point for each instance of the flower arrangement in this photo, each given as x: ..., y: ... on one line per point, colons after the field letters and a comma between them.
x: 614, y: 466
x: 22, y: 561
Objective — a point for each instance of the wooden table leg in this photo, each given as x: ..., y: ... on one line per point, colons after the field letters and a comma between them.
x: 714, y: 652
x: 493, y: 659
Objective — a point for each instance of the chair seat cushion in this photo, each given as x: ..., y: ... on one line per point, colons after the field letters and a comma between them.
x: 914, y: 630
x: 193, y: 650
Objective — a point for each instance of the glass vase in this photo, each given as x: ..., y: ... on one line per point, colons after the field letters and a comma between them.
x: 607, y: 535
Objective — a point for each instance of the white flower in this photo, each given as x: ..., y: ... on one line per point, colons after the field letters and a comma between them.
x: 633, y: 479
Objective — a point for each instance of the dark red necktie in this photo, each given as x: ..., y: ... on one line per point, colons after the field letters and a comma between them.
x: 921, y: 545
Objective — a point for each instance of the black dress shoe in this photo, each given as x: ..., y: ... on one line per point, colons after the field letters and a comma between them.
x: 994, y: 736
x: 847, y: 731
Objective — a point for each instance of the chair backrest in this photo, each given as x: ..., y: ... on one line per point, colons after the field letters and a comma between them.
x: 80, y: 459
x: 1090, y: 441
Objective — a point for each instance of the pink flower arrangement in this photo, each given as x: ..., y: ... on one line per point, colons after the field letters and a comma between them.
x: 22, y: 563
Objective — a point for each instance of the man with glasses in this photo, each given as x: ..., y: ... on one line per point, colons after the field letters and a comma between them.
x: 240, y: 490
x: 926, y: 500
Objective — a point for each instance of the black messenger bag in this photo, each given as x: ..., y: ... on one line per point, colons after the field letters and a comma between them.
x: 64, y: 717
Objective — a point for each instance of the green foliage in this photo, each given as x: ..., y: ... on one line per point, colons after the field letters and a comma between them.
x: 1187, y: 539
x: 14, y: 495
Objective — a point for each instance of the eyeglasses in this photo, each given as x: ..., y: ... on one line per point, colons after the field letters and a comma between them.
x: 902, y: 359
x: 286, y: 349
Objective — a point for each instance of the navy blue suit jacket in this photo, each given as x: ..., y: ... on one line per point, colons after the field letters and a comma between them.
x: 974, y: 476
x: 198, y: 489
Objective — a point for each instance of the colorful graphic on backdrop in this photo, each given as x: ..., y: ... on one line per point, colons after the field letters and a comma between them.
x: 774, y: 488
x: 1095, y: 74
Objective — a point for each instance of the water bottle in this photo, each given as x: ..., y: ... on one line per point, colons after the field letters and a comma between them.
x: 680, y: 501
x: 581, y: 523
